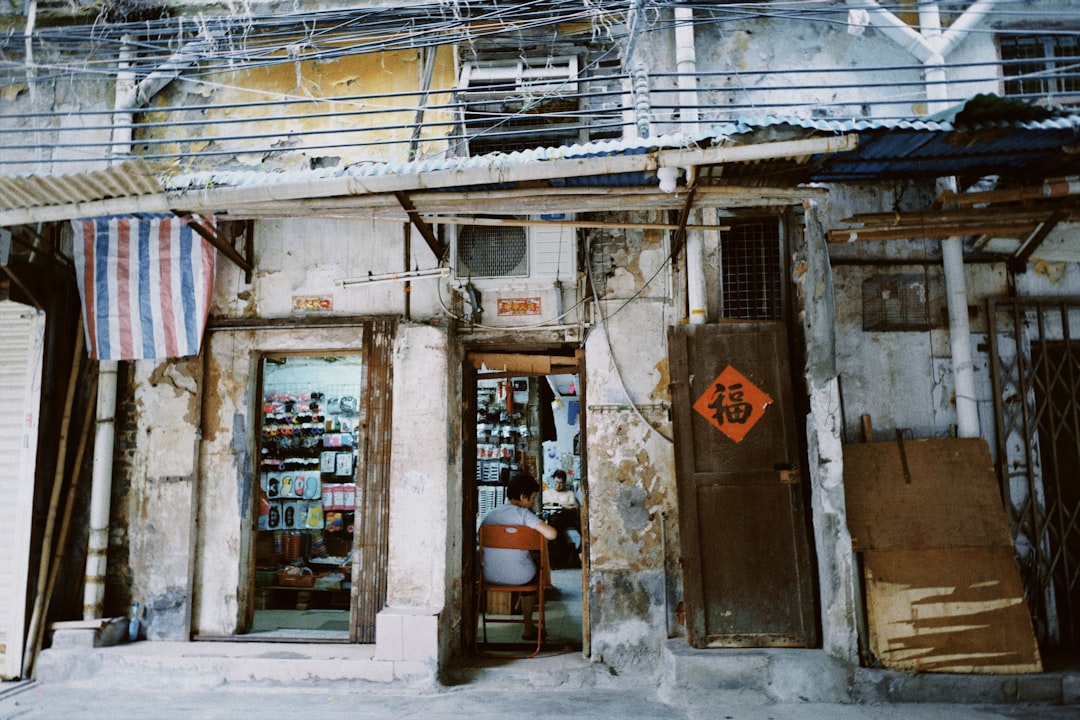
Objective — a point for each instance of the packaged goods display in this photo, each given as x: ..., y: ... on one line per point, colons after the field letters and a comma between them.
x: 307, y: 479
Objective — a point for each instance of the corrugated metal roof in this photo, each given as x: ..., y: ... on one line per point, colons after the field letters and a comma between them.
x: 633, y: 146
x: 887, y: 150
x: 977, y: 140
x: 128, y: 179
x: 896, y: 149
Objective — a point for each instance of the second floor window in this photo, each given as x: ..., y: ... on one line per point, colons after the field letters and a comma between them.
x: 1044, y: 69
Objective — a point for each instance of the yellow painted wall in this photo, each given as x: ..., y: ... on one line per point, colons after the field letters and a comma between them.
x: 286, y: 134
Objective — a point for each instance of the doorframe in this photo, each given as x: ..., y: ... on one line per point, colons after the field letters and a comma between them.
x: 520, y: 364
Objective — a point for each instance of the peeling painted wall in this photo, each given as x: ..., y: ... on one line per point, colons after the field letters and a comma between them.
x: 160, y: 500
x: 300, y: 135
x: 307, y: 257
x: 633, y: 523
x: 742, y: 50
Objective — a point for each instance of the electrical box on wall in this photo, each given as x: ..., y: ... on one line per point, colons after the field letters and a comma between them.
x: 526, y: 273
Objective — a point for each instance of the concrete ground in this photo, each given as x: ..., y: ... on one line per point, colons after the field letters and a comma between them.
x: 191, y: 681
x: 27, y: 701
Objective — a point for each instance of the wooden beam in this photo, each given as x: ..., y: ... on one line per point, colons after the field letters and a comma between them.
x: 436, y: 245
x: 215, y: 239
x: 941, y: 231
x: 1033, y: 241
x: 518, y: 365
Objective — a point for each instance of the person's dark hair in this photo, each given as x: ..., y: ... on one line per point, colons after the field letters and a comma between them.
x: 559, y: 474
x: 521, y: 485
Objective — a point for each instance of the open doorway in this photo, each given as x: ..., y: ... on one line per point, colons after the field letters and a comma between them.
x: 310, y: 433
x: 523, y: 413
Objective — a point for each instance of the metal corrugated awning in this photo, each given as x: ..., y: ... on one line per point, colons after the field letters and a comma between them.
x: 983, y: 137
x: 254, y: 191
x: 131, y: 178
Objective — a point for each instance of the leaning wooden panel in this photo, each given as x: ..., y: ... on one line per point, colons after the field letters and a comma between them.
x: 958, y: 610
x: 922, y: 494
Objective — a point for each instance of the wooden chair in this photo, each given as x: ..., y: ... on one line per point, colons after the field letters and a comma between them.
x: 511, y: 537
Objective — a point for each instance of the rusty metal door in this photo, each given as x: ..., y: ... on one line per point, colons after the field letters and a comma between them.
x: 1035, y: 363
x: 747, y: 567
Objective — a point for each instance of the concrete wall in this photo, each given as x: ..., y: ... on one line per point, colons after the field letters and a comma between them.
x: 634, y: 578
x: 747, y: 53
x: 419, y: 625
x: 306, y: 257
x: 161, y: 498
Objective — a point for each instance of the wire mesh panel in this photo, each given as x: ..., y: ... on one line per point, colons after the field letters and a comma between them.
x: 751, y: 272
x: 1035, y: 357
x: 903, y: 301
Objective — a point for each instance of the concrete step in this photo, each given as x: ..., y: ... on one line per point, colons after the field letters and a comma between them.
x: 775, y: 675
x: 210, y: 664
x: 753, y: 676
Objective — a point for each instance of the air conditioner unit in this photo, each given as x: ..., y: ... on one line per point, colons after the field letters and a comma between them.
x: 525, y: 273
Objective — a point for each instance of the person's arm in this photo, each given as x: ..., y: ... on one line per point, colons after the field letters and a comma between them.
x: 546, y: 530
x: 571, y: 502
x: 540, y: 526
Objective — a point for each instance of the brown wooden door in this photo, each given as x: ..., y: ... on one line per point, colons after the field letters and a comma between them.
x: 747, y: 567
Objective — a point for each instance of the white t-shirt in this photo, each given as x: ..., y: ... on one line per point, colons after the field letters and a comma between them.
x: 503, y: 566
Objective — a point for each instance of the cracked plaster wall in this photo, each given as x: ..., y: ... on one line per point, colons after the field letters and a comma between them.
x: 633, y: 527
x: 160, y: 499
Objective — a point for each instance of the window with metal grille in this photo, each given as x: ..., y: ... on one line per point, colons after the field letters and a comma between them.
x: 751, y: 272
x: 492, y: 251
x: 1046, y: 68
x: 522, y: 103
x: 905, y: 301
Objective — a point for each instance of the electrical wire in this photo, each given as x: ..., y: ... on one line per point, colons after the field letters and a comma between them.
x: 607, y: 336
x: 545, y: 325
x: 251, y: 43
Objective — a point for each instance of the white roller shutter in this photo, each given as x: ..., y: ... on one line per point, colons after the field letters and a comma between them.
x: 22, y: 340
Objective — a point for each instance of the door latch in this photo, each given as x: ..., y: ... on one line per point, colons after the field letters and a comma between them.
x: 789, y: 474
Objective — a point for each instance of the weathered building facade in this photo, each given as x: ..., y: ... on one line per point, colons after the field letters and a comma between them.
x: 774, y: 201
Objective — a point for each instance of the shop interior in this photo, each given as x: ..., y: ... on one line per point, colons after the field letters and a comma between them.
x: 311, y: 415
x: 532, y: 424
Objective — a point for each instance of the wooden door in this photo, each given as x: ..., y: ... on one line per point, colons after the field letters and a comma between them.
x: 747, y: 565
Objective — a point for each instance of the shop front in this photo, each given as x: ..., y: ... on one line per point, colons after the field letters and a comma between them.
x: 309, y: 513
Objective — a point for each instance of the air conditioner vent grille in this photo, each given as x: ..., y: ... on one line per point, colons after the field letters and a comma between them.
x: 492, y: 251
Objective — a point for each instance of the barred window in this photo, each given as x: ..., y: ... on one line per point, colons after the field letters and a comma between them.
x: 751, y: 272
x: 1042, y: 68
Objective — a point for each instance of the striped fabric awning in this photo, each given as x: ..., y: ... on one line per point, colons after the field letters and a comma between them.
x: 146, y: 284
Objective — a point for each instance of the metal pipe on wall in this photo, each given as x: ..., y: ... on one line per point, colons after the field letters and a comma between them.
x: 686, y: 65
x: 97, y: 545
x: 931, y: 47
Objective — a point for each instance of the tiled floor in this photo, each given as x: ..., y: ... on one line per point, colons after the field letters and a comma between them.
x: 562, y: 619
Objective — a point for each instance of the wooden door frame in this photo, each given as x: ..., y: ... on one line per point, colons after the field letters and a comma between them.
x: 517, y: 364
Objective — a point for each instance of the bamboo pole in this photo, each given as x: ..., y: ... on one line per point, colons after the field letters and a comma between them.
x: 65, y: 525
x: 37, y: 619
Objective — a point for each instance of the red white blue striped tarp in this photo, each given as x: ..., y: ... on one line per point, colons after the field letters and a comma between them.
x: 146, y: 284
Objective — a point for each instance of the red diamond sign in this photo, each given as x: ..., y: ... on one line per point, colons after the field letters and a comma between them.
x: 733, y: 404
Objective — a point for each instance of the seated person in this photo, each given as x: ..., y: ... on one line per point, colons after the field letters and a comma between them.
x: 563, y: 506
x: 503, y: 566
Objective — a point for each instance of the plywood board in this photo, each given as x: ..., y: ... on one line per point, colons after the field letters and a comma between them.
x: 923, y: 494
x: 958, y: 610
x: 943, y: 591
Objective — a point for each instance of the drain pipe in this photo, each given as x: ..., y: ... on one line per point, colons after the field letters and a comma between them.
x: 130, y: 95
x: 931, y: 47
x: 686, y: 67
x: 952, y: 248
x: 97, y: 545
